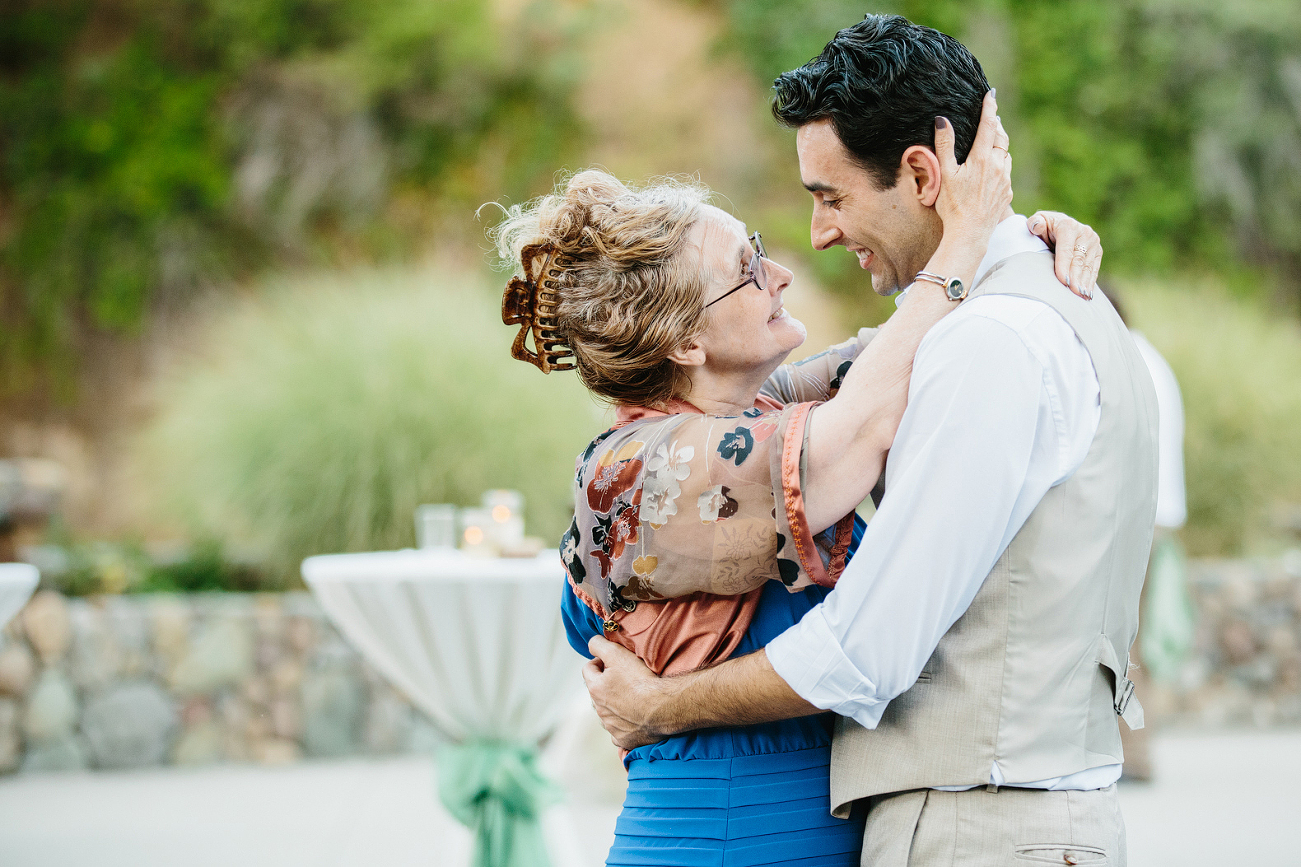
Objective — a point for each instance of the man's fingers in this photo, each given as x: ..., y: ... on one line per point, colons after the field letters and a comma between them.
x: 603, y: 648
x: 591, y: 671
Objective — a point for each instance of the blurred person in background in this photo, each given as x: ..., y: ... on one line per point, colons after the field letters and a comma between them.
x: 976, y: 647
x: 1165, y: 618
x: 720, y: 507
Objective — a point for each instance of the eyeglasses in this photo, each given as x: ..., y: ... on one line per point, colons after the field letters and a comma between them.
x: 758, y: 276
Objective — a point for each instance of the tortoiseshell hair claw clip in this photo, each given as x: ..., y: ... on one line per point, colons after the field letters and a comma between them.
x: 531, y: 302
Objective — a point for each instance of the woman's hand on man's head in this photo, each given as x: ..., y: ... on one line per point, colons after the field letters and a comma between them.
x: 975, y: 194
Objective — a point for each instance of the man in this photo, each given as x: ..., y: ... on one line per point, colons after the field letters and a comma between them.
x: 977, y: 644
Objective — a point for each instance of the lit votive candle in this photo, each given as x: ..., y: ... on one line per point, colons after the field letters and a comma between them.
x: 477, y: 533
x: 506, y: 510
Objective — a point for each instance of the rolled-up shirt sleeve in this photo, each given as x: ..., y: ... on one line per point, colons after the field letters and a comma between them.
x: 956, y: 493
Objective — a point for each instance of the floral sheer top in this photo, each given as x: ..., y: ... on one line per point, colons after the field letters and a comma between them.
x: 680, y: 517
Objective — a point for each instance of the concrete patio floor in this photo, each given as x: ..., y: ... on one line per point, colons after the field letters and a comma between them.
x: 1219, y: 799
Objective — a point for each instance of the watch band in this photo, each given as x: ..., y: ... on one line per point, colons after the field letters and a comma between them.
x: 953, y: 287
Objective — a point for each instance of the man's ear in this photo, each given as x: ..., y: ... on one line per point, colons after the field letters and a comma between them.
x: 921, y: 169
x: 689, y: 355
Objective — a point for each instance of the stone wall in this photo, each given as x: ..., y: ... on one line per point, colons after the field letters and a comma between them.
x: 132, y: 681
x: 1246, y: 666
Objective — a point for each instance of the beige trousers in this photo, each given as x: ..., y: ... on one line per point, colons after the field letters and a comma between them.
x: 984, y: 828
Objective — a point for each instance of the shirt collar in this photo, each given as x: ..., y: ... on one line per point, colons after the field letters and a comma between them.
x: 1010, y: 238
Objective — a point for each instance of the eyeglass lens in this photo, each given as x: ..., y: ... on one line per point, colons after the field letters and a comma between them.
x: 758, y: 274
x: 757, y: 270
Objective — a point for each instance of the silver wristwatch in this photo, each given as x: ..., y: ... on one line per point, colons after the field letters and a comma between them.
x: 954, y: 289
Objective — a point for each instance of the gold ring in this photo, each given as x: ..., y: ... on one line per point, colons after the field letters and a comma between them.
x: 1000, y: 147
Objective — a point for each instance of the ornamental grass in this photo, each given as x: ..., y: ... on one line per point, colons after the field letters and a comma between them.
x: 1237, y: 367
x: 316, y: 414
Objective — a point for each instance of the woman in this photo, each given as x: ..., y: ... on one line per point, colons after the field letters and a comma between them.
x: 719, y: 508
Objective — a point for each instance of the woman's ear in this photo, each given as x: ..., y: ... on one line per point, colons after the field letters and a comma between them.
x: 921, y: 168
x: 689, y: 355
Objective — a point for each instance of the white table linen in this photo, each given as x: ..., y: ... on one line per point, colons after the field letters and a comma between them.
x: 475, y: 643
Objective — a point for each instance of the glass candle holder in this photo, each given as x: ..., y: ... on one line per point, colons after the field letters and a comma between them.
x: 477, y: 532
x: 436, y: 526
x: 506, y: 511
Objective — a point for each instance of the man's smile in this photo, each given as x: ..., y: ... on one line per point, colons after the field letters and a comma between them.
x: 864, y: 257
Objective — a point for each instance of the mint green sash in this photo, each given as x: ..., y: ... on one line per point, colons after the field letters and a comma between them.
x: 496, y: 790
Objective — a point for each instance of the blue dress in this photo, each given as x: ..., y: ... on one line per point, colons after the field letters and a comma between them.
x: 733, y: 797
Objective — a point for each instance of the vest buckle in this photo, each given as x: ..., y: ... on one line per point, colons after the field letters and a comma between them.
x: 1128, y: 707
x: 1124, y: 694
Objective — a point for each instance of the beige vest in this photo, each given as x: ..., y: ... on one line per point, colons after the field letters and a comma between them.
x: 1033, y: 675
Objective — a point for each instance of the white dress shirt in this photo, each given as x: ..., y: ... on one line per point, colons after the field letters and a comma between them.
x: 1003, y: 405
x: 1171, y: 497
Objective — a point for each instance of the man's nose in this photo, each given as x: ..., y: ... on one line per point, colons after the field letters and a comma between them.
x: 823, y: 232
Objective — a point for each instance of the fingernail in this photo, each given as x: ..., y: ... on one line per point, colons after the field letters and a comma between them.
x: 1088, y: 293
x: 993, y: 91
x: 941, y: 123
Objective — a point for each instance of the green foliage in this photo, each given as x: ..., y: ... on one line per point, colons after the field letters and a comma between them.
x: 773, y: 36
x: 91, y: 568
x: 1174, y: 128
x: 326, y: 410
x: 1237, y: 370
x: 1244, y: 60
x: 1110, y: 130
x: 147, y: 149
x: 204, y: 569
x: 88, y: 568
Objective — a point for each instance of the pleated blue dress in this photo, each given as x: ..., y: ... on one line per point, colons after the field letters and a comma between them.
x: 732, y: 797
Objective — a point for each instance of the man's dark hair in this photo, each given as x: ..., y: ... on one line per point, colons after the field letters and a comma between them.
x: 882, y: 83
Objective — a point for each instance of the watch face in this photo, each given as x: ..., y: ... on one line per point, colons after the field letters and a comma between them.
x: 955, y: 290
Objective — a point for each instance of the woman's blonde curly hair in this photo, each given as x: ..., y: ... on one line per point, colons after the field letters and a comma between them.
x: 634, y: 292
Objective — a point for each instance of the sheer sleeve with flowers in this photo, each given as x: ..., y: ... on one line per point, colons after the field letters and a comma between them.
x: 681, y: 517
x: 817, y: 377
